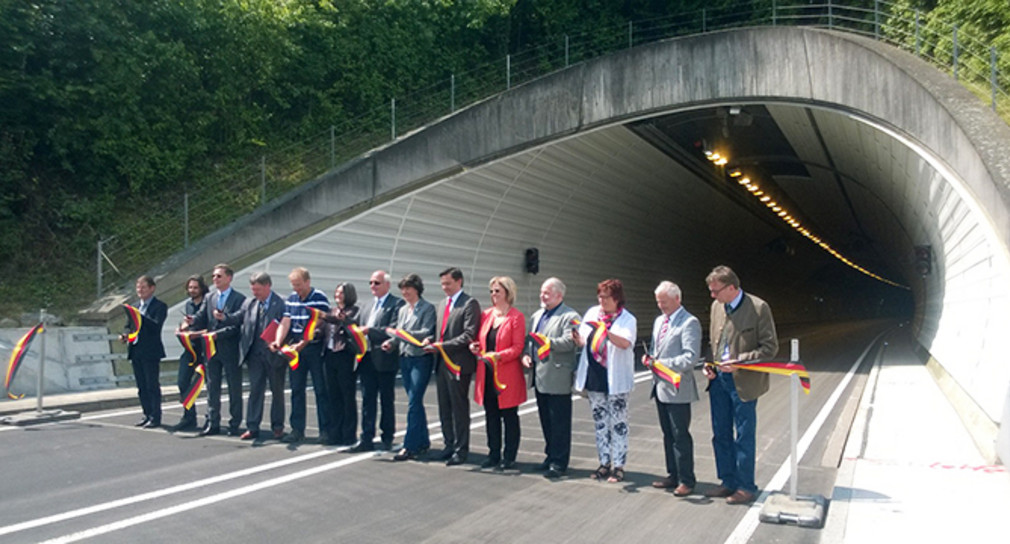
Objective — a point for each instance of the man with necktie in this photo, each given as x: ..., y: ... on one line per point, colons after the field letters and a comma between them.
x: 741, y: 329
x: 458, y: 322
x: 377, y: 369
x: 553, y: 374
x: 147, y: 352
x: 213, y: 319
x: 259, y: 311
x: 676, y: 344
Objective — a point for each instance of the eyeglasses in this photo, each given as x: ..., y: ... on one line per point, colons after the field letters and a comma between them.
x: 717, y: 291
x: 217, y: 275
x: 494, y: 291
x: 373, y: 282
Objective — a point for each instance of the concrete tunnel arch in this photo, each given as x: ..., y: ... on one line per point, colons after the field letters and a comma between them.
x: 553, y: 164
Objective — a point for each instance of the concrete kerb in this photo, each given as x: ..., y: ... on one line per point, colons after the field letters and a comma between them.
x: 88, y: 401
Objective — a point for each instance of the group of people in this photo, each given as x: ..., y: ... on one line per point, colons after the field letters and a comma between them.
x: 370, y: 341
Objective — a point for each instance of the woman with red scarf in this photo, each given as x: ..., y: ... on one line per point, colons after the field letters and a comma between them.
x: 606, y: 372
x: 500, y: 385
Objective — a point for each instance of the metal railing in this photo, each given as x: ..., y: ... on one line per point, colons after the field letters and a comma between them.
x: 197, y: 212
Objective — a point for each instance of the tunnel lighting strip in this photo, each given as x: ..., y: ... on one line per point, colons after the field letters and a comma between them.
x: 769, y: 202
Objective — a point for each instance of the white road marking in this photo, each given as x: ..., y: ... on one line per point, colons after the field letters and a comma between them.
x: 751, y: 519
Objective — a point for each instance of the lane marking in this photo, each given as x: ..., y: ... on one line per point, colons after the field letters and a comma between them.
x: 751, y: 519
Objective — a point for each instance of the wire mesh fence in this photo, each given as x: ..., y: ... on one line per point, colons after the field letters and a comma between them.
x: 198, y: 211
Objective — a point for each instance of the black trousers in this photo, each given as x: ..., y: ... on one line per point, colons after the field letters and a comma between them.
x: 338, y: 370
x: 495, y: 417
x: 264, y: 368
x: 185, y: 380
x: 675, y: 420
x: 454, y: 409
x: 556, y: 421
x: 145, y: 371
x: 233, y: 373
x: 377, y: 390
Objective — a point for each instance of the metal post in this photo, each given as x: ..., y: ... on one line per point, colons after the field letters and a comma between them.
x: 831, y: 15
x: 876, y: 19
x: 42, y: 358
x: 566, y: 50
x: 956, y: 52
x: 993, y: 84
x: 918, y: 40
x: 452, y: 92
x: 392, y: 119
x: 333, y: 146
x: 98, y: 268
x: 775, y: 13
x: 185, y: 219
x: 263, y: 179
x: 794, y: 409
x: 629, y: 35
x: 508, y: 72
x: 704, y: 21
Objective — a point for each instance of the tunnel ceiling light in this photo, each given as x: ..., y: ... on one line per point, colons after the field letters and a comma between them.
x: 752, y: 188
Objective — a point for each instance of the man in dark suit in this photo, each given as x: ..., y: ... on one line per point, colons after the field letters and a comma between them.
x: 147, y: 352
x: 219, y: 305
x: 741, y: 329
x: 377, y: 370
x: 264, y: 366
x: 458, y: 322
x: 553, y: 375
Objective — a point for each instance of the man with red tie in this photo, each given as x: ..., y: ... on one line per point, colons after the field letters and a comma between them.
x: 458, y: 320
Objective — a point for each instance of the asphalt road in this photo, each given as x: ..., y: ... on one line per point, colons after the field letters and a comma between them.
x: 102, y: 479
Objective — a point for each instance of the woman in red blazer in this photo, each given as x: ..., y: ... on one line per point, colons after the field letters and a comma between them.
x: 500, y: 385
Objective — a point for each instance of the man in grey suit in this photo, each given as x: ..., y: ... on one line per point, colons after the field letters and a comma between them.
x: 458, y: 322
x: 553, y: 374
x: 220, y: 304
x: 377, y: 370
x: 676, y: 344
x: 256, y: 314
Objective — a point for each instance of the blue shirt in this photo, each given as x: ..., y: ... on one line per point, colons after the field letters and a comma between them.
x: 297, y: 309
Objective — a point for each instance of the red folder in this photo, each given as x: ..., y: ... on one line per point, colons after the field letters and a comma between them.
x: 270, y: 332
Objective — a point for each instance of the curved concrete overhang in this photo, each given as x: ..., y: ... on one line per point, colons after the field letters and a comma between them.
x: 559, y: 164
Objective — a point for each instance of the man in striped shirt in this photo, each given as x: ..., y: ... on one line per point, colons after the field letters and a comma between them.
x: 291, y: 332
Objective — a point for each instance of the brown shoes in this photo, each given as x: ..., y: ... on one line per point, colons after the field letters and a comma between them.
x: 719, y: 491
x: 682, y: 491
x: 665, y: 483
x: 740, y: 497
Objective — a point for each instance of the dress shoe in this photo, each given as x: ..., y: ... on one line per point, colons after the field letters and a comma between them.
x: 740, y: 497
x: 324, y: 438
x: 234, y: 431
x: 250, y: 435
x: 142, y: 422
x: 362, y: 447
x: 719, y: 491
x: 665, y: 483
x: 404, y: 455
x: 278, y: 434
x: 543, y: 466
x: 490, y: 462
x: 184, y: 425
x: 387, y: 445
x: 455, y: 459
x: 682, y: 491
x: 445, y: 454
x: 554, y: 472
x: 294, y: 437
x: 152, y: 424
x: 508, y: 465
x: 210, y: 431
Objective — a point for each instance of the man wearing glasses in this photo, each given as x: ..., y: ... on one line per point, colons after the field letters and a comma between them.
x: 741, y: 329
x: 220, y: 304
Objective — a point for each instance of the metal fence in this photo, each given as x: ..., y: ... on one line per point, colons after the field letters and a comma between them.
x: 197, y: 212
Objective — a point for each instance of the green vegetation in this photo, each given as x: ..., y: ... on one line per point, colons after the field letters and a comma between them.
x: 111, y: 110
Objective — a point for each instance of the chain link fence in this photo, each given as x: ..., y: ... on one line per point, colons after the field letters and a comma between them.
x: 197, y: 212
